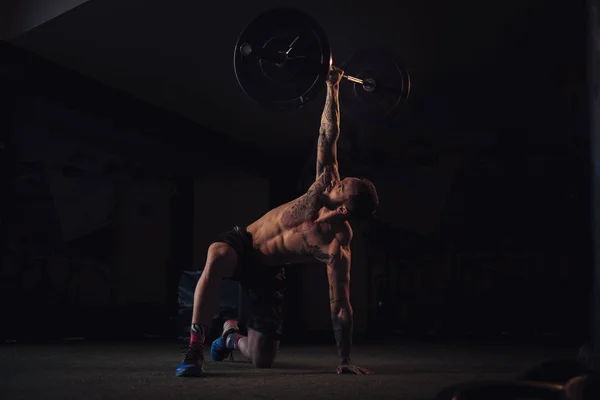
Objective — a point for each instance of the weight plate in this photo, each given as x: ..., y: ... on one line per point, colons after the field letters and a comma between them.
x: 392, y: 85
x: 281, y: 59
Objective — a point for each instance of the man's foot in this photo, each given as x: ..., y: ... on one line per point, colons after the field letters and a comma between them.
x: 193, y: 362
x: 219, y: 349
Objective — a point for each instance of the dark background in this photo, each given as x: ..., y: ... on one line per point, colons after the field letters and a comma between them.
x: 484, y: 177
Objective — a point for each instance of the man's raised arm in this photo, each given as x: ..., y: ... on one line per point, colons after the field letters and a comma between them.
x: 329, y: 132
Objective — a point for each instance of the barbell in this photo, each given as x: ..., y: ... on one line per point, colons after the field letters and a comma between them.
x: 282, y: 58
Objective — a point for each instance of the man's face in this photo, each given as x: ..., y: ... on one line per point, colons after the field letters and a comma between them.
x: 341, y: 190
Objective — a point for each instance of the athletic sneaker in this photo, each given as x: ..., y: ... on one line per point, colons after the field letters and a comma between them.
x: 193, y: 361
x: 219, y: 349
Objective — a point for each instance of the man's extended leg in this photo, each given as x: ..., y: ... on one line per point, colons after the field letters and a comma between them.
x: 261, y: 349
x: 221, y: 262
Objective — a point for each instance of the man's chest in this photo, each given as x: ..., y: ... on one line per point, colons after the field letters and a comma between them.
x: 311, y: 242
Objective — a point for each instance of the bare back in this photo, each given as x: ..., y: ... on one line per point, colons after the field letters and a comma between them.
x: 297, y: 232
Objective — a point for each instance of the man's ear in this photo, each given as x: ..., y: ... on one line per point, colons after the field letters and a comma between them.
x: 342, y: 210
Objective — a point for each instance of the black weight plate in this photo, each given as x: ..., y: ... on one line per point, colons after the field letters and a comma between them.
x: 268, y: 73
x: 391, y: 90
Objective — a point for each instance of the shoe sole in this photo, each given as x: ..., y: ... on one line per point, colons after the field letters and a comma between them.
x: 189, y: 373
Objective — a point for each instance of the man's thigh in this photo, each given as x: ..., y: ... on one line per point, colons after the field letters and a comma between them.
x: 263, y: 348
x: 262, y: 305
x: 264, y: 294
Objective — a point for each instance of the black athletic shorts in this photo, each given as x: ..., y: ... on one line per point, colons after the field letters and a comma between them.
x: 263, y: 286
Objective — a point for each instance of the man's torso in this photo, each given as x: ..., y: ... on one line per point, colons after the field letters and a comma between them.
x: 292, y: 232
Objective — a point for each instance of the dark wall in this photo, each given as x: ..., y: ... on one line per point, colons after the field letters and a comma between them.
x: 89, y: 177
x: 594, y: 71
x: 514, y: 223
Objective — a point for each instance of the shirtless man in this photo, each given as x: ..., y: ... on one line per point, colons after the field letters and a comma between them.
x: 315, y: 226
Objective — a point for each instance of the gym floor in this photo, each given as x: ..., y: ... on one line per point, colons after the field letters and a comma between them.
x: 125, y: 371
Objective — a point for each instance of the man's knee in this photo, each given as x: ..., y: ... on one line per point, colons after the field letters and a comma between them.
x: 263, y: 360
x: 221, y: 260
x: 264, y: 352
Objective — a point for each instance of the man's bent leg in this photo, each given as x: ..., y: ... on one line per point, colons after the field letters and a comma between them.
x: 266, y: 324
x: 265, y: 291
x: 259, y: 348
x: 221, y: 262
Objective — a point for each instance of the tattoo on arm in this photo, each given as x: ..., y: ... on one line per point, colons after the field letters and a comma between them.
x: 329, y: 131
x: 304, y: 208
x: 341, y: 310
x: 342, y: 331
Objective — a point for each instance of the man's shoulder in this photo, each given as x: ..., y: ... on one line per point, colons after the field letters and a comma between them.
x: 344, y: 234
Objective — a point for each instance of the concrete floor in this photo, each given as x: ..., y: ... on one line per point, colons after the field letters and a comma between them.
x: 109, y: 371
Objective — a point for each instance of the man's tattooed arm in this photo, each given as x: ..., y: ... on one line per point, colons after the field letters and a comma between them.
x: 329, y: 133
x: 341, y: 309
x: 304, y: 209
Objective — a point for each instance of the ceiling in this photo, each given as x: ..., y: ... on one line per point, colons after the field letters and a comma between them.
x: 20, y: 16
x: 178, y: 55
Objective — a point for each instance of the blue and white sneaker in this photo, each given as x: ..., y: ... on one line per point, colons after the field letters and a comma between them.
x: 218, y: 350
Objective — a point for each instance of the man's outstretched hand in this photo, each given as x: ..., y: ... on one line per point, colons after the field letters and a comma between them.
x: 352, y: 369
